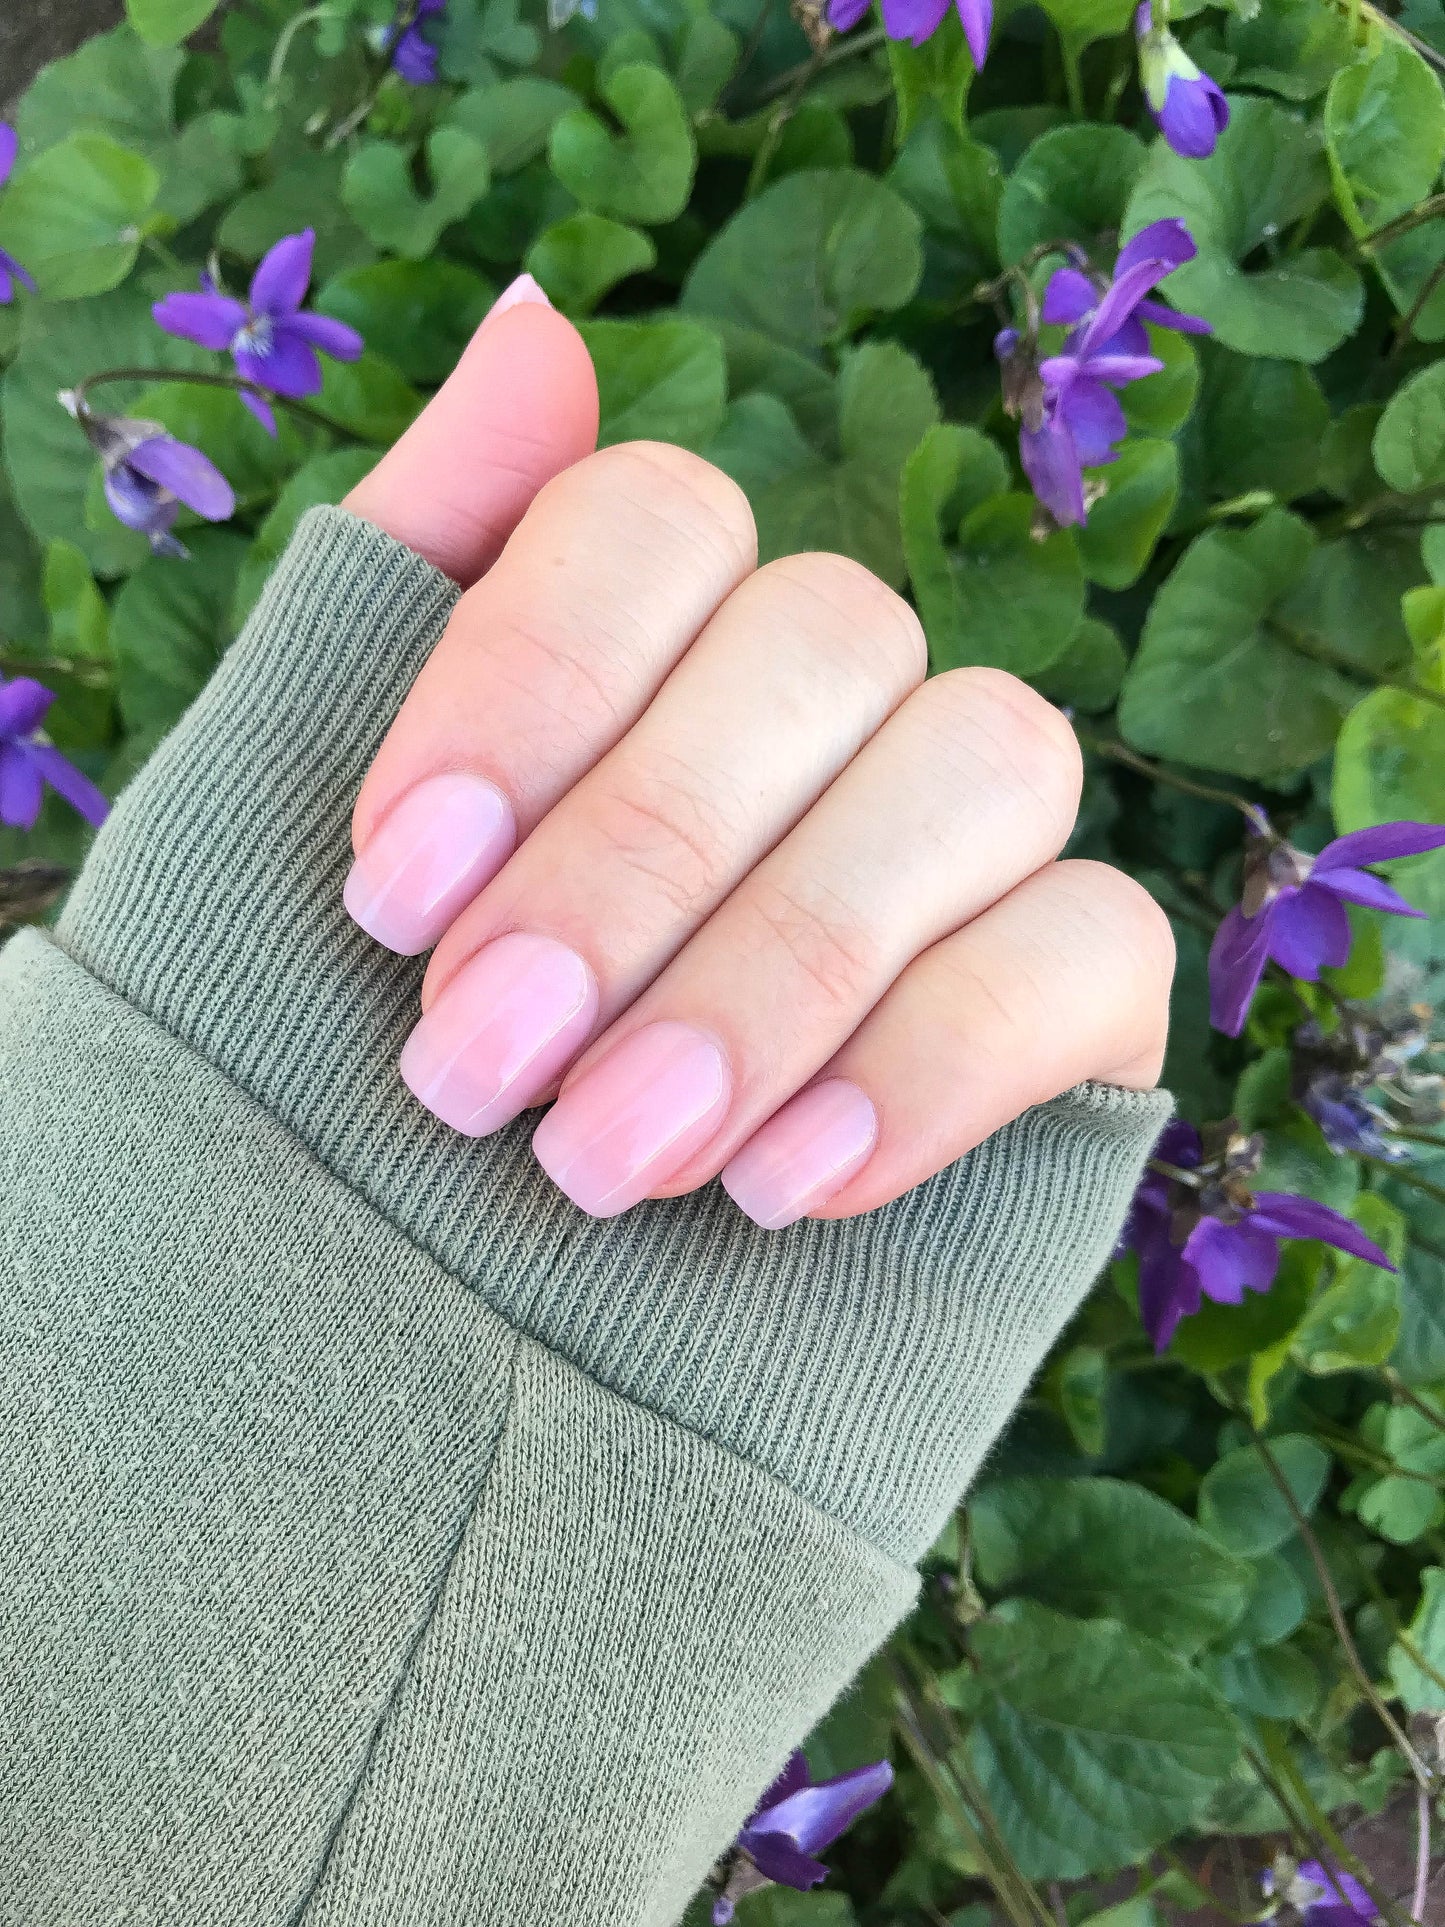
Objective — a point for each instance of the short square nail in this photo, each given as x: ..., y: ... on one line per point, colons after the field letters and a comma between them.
x: 803, y: 1155
x: 525, y: 288
x: 504, y: 1028
x: 635, y: 1118
x: 429, y: 856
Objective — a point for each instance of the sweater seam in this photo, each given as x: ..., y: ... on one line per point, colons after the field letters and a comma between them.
x: 519, y: 1333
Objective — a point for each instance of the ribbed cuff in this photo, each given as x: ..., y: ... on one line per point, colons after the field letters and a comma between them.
x: 867, y: 1363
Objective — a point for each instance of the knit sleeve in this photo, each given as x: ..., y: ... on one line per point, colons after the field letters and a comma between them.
x: 388, y: 1541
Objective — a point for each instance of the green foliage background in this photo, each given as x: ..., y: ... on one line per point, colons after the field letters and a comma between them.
x: 1124, y: 1647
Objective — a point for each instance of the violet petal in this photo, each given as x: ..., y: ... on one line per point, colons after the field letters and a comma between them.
x: 1309, y: 928
x: 1232, y: 1259
x: 1379, y: 845
x: 67, y: 781
x: 1361, y: 886
x: 278, y: 287
x: 21, y: 789
x: 188, y: 474
x: 333, y: 338
x: 1289, y: 1216
x: 23, y: 703
x: 1237, y: 958
x: 210, y: 320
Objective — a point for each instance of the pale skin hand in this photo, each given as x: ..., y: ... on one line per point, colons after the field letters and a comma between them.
x: 702, y: 849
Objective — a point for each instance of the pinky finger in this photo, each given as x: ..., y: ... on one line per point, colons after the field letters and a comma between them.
x: 1065, y: 979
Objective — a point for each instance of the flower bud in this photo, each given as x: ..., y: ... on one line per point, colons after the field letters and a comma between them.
x: 1189, y: 108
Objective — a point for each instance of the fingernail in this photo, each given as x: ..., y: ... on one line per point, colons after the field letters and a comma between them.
x: 501, y: 1031
x: 524, y: 288
x: 427, y: 859
x: 803, y: 1155
x: 634, y: 1120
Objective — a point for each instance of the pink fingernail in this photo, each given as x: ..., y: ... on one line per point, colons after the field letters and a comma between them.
x: 803, y: 1155
x: 525, y: 288
x: 505, y: 1026
x: 628, y: 1125
x: 427, y: 859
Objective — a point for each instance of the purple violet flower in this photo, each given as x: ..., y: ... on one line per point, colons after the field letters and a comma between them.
x: 1069, y: 417
x: 918, y: 20
x: 1323, y: 1894
x: 1212, y: 1237
x: 412, y: 54
x: 270, y: 340
x: 792, y: 1823
x: 1189, y: 108
x: 149, y: 475
x: 1293, y: 908
x: 11, y: 271
x: 28, y: 760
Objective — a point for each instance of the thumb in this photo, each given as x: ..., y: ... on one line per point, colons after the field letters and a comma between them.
x: 520, y: 406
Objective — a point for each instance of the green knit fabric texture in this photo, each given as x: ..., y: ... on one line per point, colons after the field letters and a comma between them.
x: 391, y: 1542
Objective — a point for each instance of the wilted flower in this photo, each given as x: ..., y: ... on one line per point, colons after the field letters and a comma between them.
x: 28, y: 760
x: 1366, y: 1076
x: 793, y: 1822
x: 1201, y: 1232
x: 918, y: 20
x: 10, y: 269
x: 1191, y: 111
x: 1323, y: 1894
x: 1293, y: 908
x: 412, y: 54
x: 270, y: 340
x: 1069, y: 417
x: 149, y: 475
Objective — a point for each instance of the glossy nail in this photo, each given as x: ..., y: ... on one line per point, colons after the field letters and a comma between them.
x: 524, y: 288
x: 427, y: 859
x: 504, y: 1029
x: 636, y: 1118
x: 803, y: 1155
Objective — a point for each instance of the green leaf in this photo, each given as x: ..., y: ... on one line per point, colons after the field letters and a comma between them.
x: 1276, y: 1604
x: 1218, y: 1336
x: 1389, y: 764
x: 1385, y: 134
x: 850, y: 503
x: 1260, y: 424
x: 643, y: 174
x: 169, y: 625
x: 1082, y: 21
x: 1410, y: 440
x: 1355, y: 1321
x: 1401, y: 1510
x: 1241, y: 1506
x: 202, y: 166
x: 706, y: 61
x: 50, y: 462
x: 1349, y: 598
x: 1081, y: 1386
x: 1292, y: 47
x: 759, y: 443
x: 112, y: 84
x: 1276, y: 1683
x: 580, y: 259
x: 512, y: 119
x: 1161, y: 404
x: 1073, y: 184
x: 79, y: 622
x: 323, y: 479
x: 1088, y: 674
x: 658, y: 380
x: 780, y: 1907
x: 1105, y: 1549
x: 378, y: 192
x: 161, y: 23
x: 1091, y: 1743
x: 1140, y: 488
x: 418, y: 314
x: 368, y: 397
x: 810, y: 259
x: 1267, y: 172
x: 999, y: 596
x: 305, y: 191
x: 73, y: 216
x: 1215, y: 683
x: 1419, y: 1690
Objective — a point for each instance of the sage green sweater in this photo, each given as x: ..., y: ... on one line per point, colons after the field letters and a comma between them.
x: 386, y: 1544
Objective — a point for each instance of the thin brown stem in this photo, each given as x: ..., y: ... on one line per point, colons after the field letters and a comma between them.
x: 1422, y: 1856
x: 1117, y: 752
x: 853, y: 45
x: 1405, y: 327
x: 1411, y: 1397
x: 1402, y: 223
x: 1336, y: 1611
x: 236, y: 383
x: 1404, y: 1175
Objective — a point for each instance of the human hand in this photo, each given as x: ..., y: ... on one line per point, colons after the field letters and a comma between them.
x: 696, y: 844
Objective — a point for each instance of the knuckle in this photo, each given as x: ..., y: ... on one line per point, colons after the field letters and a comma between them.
x: 1135, y: 929
x: 664, y: 830
x: 989, y: 713
x: 859, y: 607
x: 677, y: 487
x: 820, y: 939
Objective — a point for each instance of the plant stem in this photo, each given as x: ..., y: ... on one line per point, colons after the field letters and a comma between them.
x: 853, y: 45
x: 1402, y: 223
x: 1118, y: 752
x: 1336, y: 1610
x: 1410, y: 1397
x: 1317, y: 1826
x: 1405, y: 327
x: 1073, y: 78
x: 1422, y: 1856
x: 1406, y: 1176
x: 1317, y: 651
x: 302, y: 410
